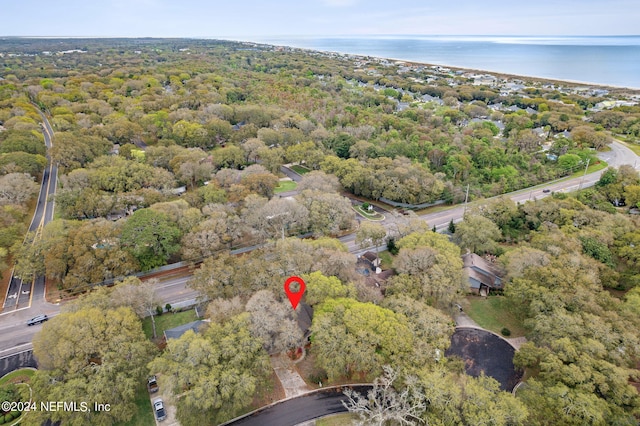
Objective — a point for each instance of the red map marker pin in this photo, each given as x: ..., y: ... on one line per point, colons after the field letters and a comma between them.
x: 294, y: 297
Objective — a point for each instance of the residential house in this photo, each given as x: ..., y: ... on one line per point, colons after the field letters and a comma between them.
x: 176, y: 332
x: 372, y: 258
x: 304, y: 319
x: 483, y: 275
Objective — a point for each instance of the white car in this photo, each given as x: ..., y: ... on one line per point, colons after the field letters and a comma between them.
x: 158, y: 408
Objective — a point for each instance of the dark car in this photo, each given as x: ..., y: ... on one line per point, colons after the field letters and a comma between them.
x: 158, y: 408
x: 37, y: 320
x: 546, y: 190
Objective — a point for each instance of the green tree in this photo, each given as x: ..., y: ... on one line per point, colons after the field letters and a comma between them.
x: 106, y: 364
x: 351, y: 337
x: 430, y: 269
x: 212, y: 379
x: 569, y: 161
x: 151, y: 237
x: 320, y: 288
x: 478, y: 234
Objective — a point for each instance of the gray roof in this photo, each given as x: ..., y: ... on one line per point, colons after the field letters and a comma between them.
x: 482, y: 270
x: 305, y: 317
x: 175, y: 333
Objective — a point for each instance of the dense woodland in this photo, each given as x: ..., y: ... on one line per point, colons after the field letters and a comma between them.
x: 137, y: 119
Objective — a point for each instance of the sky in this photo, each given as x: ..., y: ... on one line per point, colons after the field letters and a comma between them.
x: 257, y: 19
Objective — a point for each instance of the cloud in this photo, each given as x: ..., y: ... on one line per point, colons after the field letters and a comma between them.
x: 339, y: 3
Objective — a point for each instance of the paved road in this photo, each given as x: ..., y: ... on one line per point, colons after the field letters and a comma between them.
x: 300, y: 409
x: 15, y: 336
x: 22, y: 294
x: 14, y: 362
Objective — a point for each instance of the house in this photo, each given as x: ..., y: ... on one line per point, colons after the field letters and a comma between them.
x: 483, y: 275
x: 178, y: 191
x: 175, y: 333
x: 305, y: 318
x: 372, y: 258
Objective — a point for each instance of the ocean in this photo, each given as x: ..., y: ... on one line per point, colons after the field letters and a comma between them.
x: 605, y: 60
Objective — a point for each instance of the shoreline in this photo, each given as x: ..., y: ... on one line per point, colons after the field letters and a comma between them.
x: 633, y: 90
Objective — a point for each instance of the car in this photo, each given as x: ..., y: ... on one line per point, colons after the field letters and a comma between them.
x: 37, y: 320
x: 158, y: 408
x: 546, y: 190
x: 152, y: 384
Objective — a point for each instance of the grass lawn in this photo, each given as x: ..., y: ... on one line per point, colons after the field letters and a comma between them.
x: 301, y: 170
x: 493, y: 314
x: 386, y: 260
x: 592, y: 168
x: 167, y: 321
x: 284, y: 186
x: 18, y: 376
x: 337, y: 420
x: 369, y: 215
x: 144, y: 413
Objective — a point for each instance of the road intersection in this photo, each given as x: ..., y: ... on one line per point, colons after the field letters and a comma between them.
x: 15, y: 336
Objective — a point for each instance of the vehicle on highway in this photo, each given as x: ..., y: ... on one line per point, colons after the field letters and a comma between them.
x: 37, y: 320
x: 152, y: 384
x: 158, y: 408
x: 546, y: 190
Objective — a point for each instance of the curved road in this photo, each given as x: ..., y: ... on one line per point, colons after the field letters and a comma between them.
x: 293, y: 411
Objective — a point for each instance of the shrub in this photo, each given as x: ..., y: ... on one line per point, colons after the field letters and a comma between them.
x: 392, y: 247
x: 505, y: 331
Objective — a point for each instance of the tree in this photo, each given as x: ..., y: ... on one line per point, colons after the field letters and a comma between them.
x: 431, y: 269
x: 139, y: 295
x: 216, y: 278
x: 92, y: 354
x: 211, y: 379
x: 568, y: 162
x: 22, y: 162
x: 384, y: 404
x: 321, y: 287
x: 319, y: 181
x: 370, y: 234
x: 82, y: 253
x: 74, y: 150
x: 219, y: 231
x: 478, y: 234
x: 29, y: 258
x: 17, y: 188
x: 228, y: 157
x: 431, y: 328
x: 351, y: 337
x: 275, y: 218
x: 151, y: 237
x: 24, y: 141
x: 272, y: 323
x: 262, y: 182
x: 329, y: 213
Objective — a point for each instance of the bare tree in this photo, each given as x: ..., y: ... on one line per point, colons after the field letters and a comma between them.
x: 272, y: 322
x: 370, y: 234
x: 139, y: 295
x: 384, y: 405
